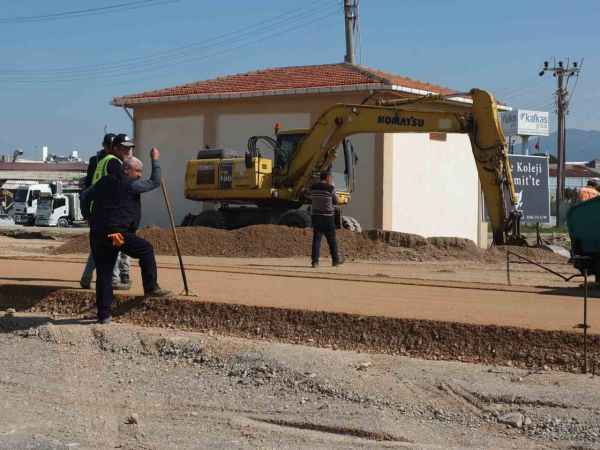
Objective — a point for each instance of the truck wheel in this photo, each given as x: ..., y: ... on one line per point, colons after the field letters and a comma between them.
x: 63, y: 222
x: 351, y: 224
x: 297, y: 218
x: 210, y: 219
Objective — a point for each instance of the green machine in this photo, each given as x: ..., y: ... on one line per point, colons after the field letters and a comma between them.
x: 583, y: 221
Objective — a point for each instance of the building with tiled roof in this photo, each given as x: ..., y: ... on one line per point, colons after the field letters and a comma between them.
x: 413, y: 183
x: 301, y: 80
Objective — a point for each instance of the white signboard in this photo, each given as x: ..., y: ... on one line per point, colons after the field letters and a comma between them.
x: 524, y: 122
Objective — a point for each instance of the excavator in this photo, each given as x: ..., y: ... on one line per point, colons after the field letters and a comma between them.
x: 252, y: 189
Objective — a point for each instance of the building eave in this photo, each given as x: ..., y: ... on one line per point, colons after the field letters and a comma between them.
x: 366, y: 87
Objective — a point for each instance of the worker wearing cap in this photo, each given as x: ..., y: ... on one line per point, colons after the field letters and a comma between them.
x: 108, y: 161
x: 588, y: 192
x: 324, y: 198
x: 114, y: 220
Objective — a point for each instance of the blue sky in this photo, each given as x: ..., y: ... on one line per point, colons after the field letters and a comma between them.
x: 57, y: 77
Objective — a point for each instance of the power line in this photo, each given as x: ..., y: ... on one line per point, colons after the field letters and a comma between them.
x: 165, y: 63
x: 171, y: 56
x: 128, y: 6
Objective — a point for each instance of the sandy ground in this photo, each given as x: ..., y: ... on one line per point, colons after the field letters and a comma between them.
x: 69, y: 384
x: 458, y: 291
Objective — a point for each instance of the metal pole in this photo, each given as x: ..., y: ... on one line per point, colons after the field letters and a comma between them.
x: 163, y: 187
x: 560, y: 137
x: 507, y: 267
x: 349, y: 17
x: 585, y: 324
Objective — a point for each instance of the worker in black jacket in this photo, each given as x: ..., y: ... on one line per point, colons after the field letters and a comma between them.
x: 324, y: 198
x: 119, y: 146
x: 114, y: 220
x: 93, y: 162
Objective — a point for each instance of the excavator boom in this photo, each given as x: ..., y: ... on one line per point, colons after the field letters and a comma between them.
x: 480, y: 121
x: 256, y: 189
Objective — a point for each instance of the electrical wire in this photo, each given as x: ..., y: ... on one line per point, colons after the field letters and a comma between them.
x: 122, y: 64
x: 166, y: 63
x: 128, y: 6
x: 175, y: 55
x: 576, y: 82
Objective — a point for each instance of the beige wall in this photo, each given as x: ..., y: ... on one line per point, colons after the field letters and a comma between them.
x: 405, y: 181
x: 435, y: 186
x: 233, y: 130
x: 178, y: 139
x: 179, y: 130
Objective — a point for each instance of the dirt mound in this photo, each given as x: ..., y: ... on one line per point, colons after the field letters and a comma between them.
x: 418, y: 338
x: 278, y: 241
x: 274, y: 241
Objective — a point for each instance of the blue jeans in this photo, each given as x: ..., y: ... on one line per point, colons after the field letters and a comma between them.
x: 120, y: 270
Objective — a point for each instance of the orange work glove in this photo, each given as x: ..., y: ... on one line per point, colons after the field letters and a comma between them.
x: 117, y: 239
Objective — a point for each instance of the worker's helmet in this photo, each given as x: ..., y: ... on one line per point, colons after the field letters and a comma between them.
x: 107, y: 141
x: 122, y: 140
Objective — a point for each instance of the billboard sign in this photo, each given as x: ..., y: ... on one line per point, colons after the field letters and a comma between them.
x: 530, y: 175
x: 524, y: 122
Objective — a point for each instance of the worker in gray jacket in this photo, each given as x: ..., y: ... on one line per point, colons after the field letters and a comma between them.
x: 324, y: 198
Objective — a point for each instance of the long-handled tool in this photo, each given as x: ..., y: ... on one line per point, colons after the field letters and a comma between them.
x: 163, y: 187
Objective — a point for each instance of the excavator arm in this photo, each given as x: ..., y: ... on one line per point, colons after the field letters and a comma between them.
x: 480, y: 121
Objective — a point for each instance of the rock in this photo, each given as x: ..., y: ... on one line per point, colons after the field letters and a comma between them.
x: 133, y: 419
x: 364, y: 365
x: 513, y: 419
x: 527, y: 421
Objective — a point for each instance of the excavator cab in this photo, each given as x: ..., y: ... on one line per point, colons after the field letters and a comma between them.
x: 285, y: 151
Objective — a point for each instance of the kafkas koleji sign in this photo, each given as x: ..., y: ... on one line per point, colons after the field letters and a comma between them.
x: 530, y: 175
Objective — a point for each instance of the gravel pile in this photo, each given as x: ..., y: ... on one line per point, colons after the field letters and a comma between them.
x: 282, y: 242
x: 514, y: 347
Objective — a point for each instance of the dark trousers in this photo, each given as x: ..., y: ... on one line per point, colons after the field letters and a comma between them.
x: 105, y: 256
x: 324, y: 225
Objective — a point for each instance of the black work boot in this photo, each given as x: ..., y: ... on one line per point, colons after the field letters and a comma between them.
x: 158, y: 292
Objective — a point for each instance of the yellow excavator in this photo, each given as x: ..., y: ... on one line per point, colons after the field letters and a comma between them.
x: 252, y: 188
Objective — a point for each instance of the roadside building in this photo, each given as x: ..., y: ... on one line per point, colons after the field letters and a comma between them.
x: 577, y: 174
x: 416, y: 183
x: 15, y: 174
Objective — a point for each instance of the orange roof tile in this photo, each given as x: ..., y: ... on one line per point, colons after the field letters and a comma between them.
x: 286, y: 78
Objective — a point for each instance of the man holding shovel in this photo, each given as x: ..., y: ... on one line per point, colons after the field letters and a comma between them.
x: 113, y: 224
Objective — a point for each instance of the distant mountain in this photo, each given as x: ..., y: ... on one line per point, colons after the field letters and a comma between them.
x: 582, y: 145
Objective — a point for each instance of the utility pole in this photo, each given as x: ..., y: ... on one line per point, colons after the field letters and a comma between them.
x: 562, y: 73
x: 349, y: 19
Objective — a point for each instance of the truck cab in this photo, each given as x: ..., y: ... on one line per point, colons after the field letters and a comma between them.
x: 58, y: 210
x: 26, y: 202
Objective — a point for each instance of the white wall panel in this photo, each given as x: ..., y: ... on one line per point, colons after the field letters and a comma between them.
x: 435, y: 186
x: 178, y: 139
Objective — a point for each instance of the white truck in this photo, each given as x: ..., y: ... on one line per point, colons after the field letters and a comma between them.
x: 58, y: 210
x: 26, y: 202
